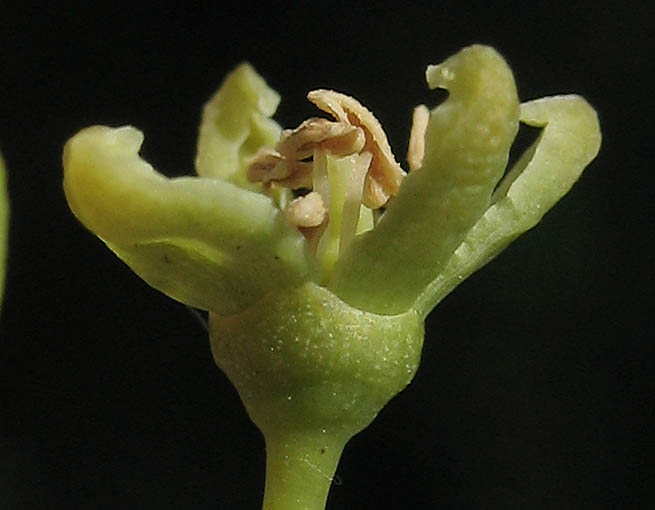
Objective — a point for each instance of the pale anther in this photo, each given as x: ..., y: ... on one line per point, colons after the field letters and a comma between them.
x: 293, y: 163
x: 306, y: 211
x: 385, y: 174
x: 416, y: 148
x: 339, y: 138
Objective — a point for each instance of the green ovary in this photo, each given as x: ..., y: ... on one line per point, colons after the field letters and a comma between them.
x: 310, y: 381
x: 286, y: 353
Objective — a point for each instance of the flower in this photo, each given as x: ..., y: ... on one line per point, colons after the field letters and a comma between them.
x: 317, y: 299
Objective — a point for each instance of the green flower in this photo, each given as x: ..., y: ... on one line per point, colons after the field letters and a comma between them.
x: 4, y: 226
x: 317, y: 257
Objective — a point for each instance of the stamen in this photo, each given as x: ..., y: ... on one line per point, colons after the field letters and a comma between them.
x: 385, y: 174
x: 416, y: 148
x: 348, y: 164
x: 307, y: 211
x: 337, y: 137
x: 267, y: 166
x: 353, y: 200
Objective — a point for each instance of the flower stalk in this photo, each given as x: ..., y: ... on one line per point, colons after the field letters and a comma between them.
x: 299, y: 472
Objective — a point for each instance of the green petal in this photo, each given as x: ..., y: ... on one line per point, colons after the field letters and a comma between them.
x: 467, y: 146
x: 4, y: 226
x: 235, y: 124
x: 568, y: 143
x: 204, y: 242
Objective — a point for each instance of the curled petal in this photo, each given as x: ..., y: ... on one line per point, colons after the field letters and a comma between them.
x: 204, y: 242
x: 569, y: 141
x: 235, y: 124
x: 466, y: 150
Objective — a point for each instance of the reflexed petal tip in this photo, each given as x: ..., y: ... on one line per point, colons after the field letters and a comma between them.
x: 204, y: 242
x: 546, y: 171
x: 219, y: 242
x: 235, y: 124
x: 452, y: 215
x: 467, y: 144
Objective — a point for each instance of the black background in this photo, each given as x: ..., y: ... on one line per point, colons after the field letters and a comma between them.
x: 536, y: 385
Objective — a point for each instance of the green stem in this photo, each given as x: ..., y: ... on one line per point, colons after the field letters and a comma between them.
x: 299, y: 470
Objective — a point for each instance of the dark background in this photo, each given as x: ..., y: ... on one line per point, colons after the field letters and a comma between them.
x: 536, y: 386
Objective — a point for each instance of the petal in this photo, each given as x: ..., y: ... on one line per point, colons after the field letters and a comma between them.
x: 4, y: 226
x: 569, y: 141
x: 467, y: 146
x: 235, y: 124
x: 204, y: 242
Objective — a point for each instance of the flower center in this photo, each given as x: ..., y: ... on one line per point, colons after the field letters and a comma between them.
x: 343, y: 169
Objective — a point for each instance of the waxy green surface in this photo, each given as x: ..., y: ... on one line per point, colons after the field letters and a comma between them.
x: 313, y: 371
x: 297, y: 347
x: 317, y: 343
x: 569, y: 141
x: 205, y: 242
x: 235, y: 124
x: 467, y: 147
